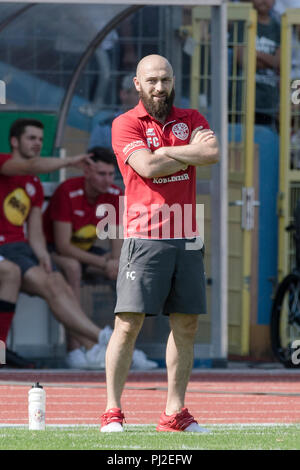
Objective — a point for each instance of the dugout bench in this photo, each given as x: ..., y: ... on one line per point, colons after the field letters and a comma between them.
x: 36, y: 334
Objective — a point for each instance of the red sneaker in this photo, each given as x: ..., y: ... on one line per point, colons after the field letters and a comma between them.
x: 176, y: 422
x: 112, y: 420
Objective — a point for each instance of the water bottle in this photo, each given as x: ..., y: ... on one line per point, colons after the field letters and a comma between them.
x: 36, y: 407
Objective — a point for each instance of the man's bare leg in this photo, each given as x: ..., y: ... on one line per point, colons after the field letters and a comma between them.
x: 10, y: 281
x: 119, y: 355
x: 179, y: 359
x: 72, y: 271
x: 62, y: 301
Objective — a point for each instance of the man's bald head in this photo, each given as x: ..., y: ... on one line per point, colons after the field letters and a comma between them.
x: 153, y: 62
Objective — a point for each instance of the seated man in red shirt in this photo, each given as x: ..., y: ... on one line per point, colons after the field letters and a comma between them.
x: 22, y: 241
x: 70, y: 227
x: 10, y: 281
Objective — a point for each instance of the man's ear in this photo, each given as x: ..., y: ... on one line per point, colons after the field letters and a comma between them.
x: 137, y: 84
x: 14, y: 142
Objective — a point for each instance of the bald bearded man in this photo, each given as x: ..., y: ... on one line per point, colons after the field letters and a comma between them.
x: 158, y: 148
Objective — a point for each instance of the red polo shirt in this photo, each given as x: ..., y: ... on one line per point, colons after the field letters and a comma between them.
x: 18, y: 194
x: 163, y: 207
x: 69, y: 204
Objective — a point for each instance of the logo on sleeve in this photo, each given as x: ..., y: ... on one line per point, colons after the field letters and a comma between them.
x: 30, y: 189
x: 181, y: 131
x: 132, y: 146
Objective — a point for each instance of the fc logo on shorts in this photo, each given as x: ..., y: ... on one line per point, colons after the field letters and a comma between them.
x: 130, y: 275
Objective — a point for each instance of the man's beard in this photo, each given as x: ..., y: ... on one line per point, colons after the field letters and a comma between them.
x: 159, y: 110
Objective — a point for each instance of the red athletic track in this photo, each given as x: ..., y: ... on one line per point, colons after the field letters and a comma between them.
x: 213, y: 396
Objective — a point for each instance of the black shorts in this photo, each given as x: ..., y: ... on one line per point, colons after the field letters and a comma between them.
x: 161, y: 276
x: 21, y: 254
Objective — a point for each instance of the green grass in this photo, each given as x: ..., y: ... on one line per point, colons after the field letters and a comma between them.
x: 221, y: 437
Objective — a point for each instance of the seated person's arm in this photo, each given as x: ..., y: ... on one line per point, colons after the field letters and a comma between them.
x: 34, y: 166
x: 112, y: 265
x: 36, y: 238
x: 64, y: 246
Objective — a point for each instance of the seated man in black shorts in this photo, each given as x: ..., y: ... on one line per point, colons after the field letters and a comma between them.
x: 21, y: 199
x: 70, y: 226
x: 10, y: 282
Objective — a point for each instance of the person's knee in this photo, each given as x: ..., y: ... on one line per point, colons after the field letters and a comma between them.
x: 55, y: 285
x: 72, y: 270
x: 10, y: 272
x: 129, y: 324
x: 184, y: 325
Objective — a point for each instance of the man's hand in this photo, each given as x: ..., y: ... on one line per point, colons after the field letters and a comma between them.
x: 45, y: 262
x: 79, y: 161
x: 202, y: 136
x: 101, y: 261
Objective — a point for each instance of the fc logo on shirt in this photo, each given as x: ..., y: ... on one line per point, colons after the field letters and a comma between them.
x: 181, y: 131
